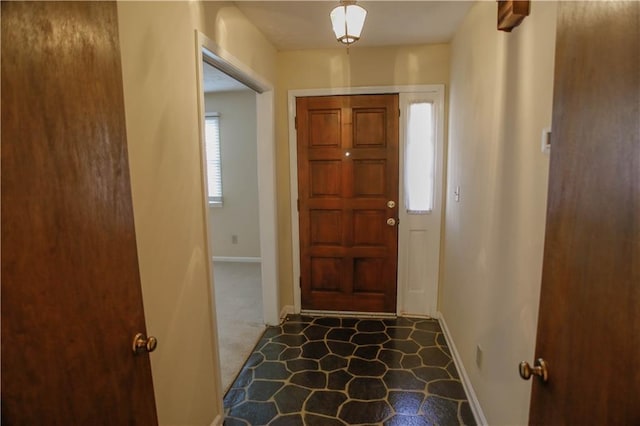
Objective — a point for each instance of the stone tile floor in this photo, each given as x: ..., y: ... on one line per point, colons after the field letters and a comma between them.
x: 347, y: 371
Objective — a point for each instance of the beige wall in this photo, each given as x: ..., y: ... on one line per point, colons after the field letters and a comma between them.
x: 501, y: 98
x: 239, y: 213
x: 330, y: 68
x: 160, y: 90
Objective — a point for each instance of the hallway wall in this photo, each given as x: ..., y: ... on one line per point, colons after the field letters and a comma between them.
x: 239, y: 213
x: 500, y: 101
x: 159, y: 62
x: 332, y: 68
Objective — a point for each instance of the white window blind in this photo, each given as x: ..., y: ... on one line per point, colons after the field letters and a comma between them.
x: 214, y: 160
x: 420, y: 156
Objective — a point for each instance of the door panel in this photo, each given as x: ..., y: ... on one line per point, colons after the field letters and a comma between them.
x: 419, y: 236
x: 71, y: 297
x: 347, y: 171
x: 589, y: 318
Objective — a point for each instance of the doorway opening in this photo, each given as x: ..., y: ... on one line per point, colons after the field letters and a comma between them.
x: 234, y: 238
x: 236, y: 116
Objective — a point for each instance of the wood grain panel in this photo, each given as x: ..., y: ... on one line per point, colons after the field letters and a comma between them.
x: 324, y: 128
x: 366, y: 275
x: 326, y: 273
x: 369, y: 227
x: 589, y: 318
x: 326, y: 227
x: 71, y: 297
x: 369, y: 127
x: 369, y: 178
x: 354, y: 171
x: 325, y: 178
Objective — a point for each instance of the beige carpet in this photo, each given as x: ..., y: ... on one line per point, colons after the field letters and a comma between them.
x: 238, y: 292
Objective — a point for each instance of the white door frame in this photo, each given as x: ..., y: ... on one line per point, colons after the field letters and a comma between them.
x: 436, y: 89
x: 232, y: 66
x: 419, y: 236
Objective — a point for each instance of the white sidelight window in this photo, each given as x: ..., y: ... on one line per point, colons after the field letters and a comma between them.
x: 420, y: 153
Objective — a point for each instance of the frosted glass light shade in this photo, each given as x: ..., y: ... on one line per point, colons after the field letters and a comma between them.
x: 347, y: 21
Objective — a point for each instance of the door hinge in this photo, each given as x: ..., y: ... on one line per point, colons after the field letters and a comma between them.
x: 295, y: 122
x: 300, y: 282
x: 399, y: 112
x: 298, y: 203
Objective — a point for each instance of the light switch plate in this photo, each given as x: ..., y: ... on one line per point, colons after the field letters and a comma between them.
x: 546, y: 140
x: 479, y: 357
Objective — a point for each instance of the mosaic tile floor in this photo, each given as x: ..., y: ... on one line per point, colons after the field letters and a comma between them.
x: 347, y: 371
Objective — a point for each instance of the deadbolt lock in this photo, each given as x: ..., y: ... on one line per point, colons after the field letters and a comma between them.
x: 391, y: 204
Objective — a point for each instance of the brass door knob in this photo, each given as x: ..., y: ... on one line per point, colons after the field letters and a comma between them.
x: 539, y: 369
x: 143, y: 343
x: 391, y: 222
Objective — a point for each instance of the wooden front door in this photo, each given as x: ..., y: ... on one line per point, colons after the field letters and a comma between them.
x: 589, y: 318
x: 347, y: 175
x: 71, y: 296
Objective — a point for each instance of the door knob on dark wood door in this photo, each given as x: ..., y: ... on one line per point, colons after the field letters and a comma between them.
x: 143, y: 343
x: 539, y: 369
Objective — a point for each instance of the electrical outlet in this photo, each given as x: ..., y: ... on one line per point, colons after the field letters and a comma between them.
x: 479, y: 357
x: 234, y: 239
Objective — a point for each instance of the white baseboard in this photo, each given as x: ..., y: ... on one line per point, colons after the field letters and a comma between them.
x: 218, y: 421
x: 473, y: 399
x: 236, y: 259
x: 286, y: 310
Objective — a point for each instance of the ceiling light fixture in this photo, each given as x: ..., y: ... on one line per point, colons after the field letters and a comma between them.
x: 347, y: 21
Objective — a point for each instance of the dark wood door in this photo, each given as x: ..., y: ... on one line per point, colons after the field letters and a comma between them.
x: 347, y: 172
x: 71, y: 297
x: 589, y: 319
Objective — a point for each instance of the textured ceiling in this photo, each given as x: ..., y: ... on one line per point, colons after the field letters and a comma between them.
x: 217, y: 81
x: 293, y: 25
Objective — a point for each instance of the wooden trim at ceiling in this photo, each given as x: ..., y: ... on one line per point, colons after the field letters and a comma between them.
x: 511, y: 13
